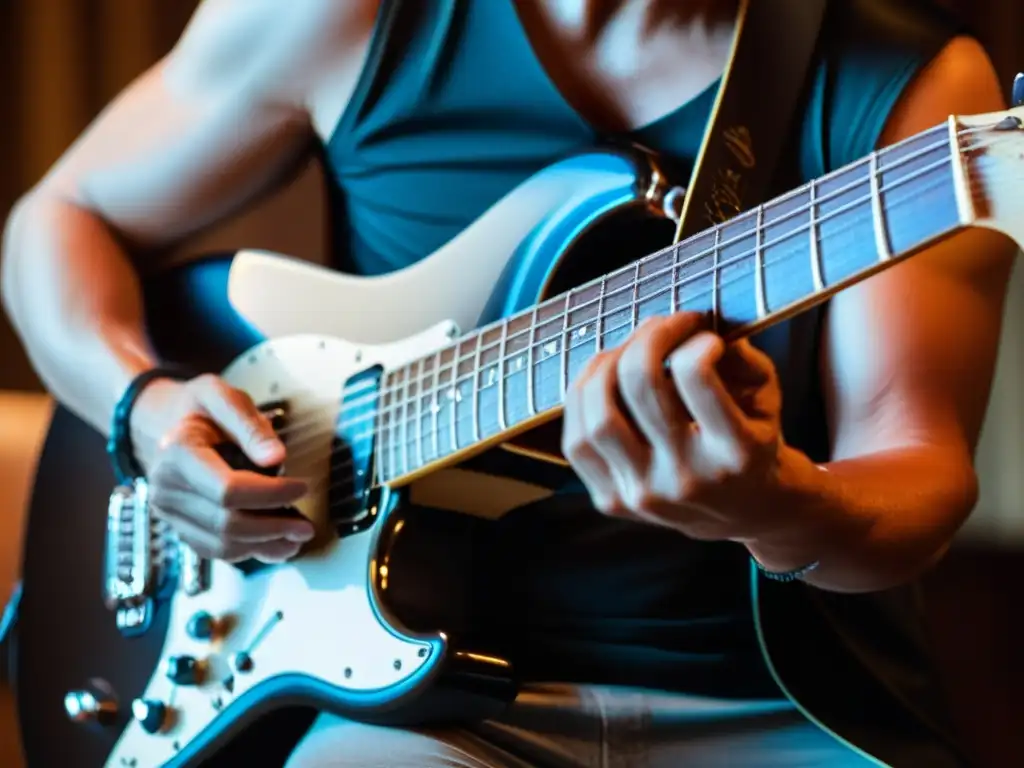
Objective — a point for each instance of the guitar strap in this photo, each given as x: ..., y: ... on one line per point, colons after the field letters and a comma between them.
x: 772, y: 49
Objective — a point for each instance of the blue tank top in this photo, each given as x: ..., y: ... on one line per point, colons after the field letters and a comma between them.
x: 453, y: 111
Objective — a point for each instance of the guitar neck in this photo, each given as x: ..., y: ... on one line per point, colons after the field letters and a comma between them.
x: 754, y: 270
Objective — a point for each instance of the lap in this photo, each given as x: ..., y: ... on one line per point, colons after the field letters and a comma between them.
x: 585, y: 727
x: 333, y: 742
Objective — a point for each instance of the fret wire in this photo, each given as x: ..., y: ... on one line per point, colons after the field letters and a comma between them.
x: 961, y: 180
x: 454, y: 392
x: 636, y: 294
x: 877, y: 214
x: 815, y: 248
x: 565, y: 343
x: 599, y: 345
x: 436, y: 406
x: 405, y: 422
x: 716, y: 257
x: 393, y: 470
x: 760, y: 289
x: 418, y: 413
x: 673, y: 281
x: 502, y: 418
x: 476, y: 387
x: 531, y: 400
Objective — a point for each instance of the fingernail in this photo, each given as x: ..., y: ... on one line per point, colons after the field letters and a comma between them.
x: 300, y: 535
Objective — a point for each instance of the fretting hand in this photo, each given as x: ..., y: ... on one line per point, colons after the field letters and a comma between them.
x: 220, y: 512
x: 696, y: 447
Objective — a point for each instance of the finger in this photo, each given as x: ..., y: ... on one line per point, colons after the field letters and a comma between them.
x: 232, y: 524
x: 235, y: 412
x: 203, y: 542
x: 607, y: 429
x: 589, y: 466
x: 646, y: 389
x: 202, y: 469
x: 750, y: 374
x: 278, y: 551
x: 695, y: 373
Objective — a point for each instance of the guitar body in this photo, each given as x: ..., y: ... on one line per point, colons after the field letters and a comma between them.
x: 325, y: 630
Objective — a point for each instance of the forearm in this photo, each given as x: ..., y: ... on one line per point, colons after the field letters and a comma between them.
x: 75, y: 301
x: 871, y: 522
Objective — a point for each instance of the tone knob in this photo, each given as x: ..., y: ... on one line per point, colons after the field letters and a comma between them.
x: 89, y: 707
x: 150, y: 714
x: 201, y: 626
x: 184, y: 670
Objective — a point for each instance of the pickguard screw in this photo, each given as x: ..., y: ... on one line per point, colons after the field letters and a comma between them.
x: 348, y: 672
x: 398, y: 663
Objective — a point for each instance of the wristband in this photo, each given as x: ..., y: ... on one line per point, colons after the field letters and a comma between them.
x: 795, y: 575
x: 119, y: 445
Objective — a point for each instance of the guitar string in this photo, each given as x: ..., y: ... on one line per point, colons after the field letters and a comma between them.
x: 397, y: 389
x: 403, y: 446
x: 433, y: 389
x: 407, y: 419
x: 720, y: 246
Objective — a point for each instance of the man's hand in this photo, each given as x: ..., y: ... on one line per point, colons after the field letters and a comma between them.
x: 220, y: 512
x: 696, y: 448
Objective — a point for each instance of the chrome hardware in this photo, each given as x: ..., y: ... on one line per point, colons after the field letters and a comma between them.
x: 195, y: 572
x: 1017, y: 99
x: 90, y: 705
x: 140, y: 557
x: 242, y: 662
x: 150, y: 714
x: 672, y: 203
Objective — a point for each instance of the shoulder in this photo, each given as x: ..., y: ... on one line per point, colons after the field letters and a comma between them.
x: 871, y: 52
x: 267, y: 47
x: 959, y: 80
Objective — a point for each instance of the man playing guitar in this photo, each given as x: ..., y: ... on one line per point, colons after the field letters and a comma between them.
x: 631, y: 624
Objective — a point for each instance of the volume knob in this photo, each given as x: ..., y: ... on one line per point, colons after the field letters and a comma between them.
x: 89, y: 707
x: 150, y: 714
x: 201, y: 626
x: 184, y: 670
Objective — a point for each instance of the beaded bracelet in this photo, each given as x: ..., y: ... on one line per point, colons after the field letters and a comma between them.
x: 795, y: 575
x: 119, y: 445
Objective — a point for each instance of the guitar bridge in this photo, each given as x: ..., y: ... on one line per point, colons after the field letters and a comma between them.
x: 141, y: 560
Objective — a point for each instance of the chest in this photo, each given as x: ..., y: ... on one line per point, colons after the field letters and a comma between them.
x: 629, y: 68
x: 616, y: 75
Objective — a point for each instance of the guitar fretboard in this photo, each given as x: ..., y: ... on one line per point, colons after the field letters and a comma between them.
x: 753, y: 270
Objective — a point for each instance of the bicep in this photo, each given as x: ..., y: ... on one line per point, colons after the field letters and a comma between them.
x: 909, y: 354
x: 189, y: 141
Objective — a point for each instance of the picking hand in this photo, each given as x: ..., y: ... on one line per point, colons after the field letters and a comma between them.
x: 220, y: 512
x: 696, y: 448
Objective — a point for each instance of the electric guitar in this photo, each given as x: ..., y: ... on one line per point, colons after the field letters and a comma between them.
x: 438, y: 387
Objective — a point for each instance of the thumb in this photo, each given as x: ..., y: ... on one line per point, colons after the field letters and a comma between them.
x: 237, y: 415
